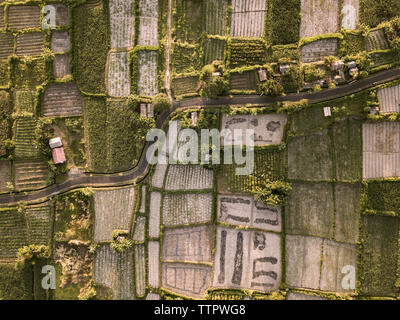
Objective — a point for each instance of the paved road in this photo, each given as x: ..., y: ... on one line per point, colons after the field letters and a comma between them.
x: 141, y: 170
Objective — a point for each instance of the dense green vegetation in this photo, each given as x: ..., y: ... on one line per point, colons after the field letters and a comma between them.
x: 5, y: 118
x: 90, y: 36
x: 373, y: 12
x: 28, y: 73
x: 14, y: 284
x: 239, y: 52
x: 383, y: 196
x: 187, y: 20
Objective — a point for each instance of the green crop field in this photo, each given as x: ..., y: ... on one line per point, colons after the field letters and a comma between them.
x: 185, y: 59
x: 187, y: 20
x: 239, y: 52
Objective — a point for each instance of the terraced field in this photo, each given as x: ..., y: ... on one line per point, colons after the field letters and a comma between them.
x: 188, y: 177
x: 24, y: 138
x: 30, y: 44
x: 147, y: 81
x: 13, y: 233
x: 184, y: 209
x: 6, y: 45
x: 140, y: 270
x: 5, y: 174
x: 376, y: 40
x: 115, y: 270
x: 242, y: 81
x: 39, y: 223
x: 148, y: 23
x: 62, y: 99
x: 60, y: 42
x: 248, y: 18
x: 2, y: 25
x: 154, y: 264
x: 23, y: 17
x: 389, y: 99
x: 215, y: 17
x: 318, y: 50
x: 113, y: 210
x: 118, y: 75
x: 30, y: 175
x: 185, y: 85
x: 214, y: 49
x: 122, y: 23
x: 155, y: 213
x: 61, y: 65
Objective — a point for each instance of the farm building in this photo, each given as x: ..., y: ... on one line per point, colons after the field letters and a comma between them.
x: 55, y: 143
x: 262, y: 75
x: 58, y: 155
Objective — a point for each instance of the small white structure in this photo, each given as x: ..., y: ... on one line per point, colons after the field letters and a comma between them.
x: 283, y: 68
x: 216, y: 74
x: 194, y: 119
x: 146, y: 110
x: 327, y: 111
x: 353, y: 71
x: 55, y: 143
x: 352, y: 64
x: 262, y: 75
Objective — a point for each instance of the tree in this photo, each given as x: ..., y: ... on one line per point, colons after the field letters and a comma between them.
x: 272, y: 88
x: 273, y: 193
x: 161, y: 103
x: 313, y: 73
x: 395, y: 44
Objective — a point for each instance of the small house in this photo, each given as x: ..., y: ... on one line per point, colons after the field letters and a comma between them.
x: 337, y: 66
x: 58, y: 155
x: 327, y: 111
x: 55, y: 143
x: 262, y: 75
x: 351, y: 64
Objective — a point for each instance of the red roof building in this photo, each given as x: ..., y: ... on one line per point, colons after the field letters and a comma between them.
x: 58, y: 155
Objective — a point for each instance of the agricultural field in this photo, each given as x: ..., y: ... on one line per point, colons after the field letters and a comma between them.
x: 30, y: 44
x: 122, y: 23
x: 23, y: 17
x: 13, y: 232
x: 309, y: 157
x: 140, y: 270
x: 373, y: 12
x: 187, y: 20
x: 376, y: 40
x: 184, y: 58
x: 60, y: 42
x: 30, y: 175
x: 62, y: 14
x: 6, y: 45
x: 154, y: 215
x: 188, y: 177
x: 6, y: 109
x: 185, y: 85
x: 214, y: 49
x: 245, y: 211
x: 139, y: 229
x: 302, y: 296
x: 381, y: 147
x: 271, y: 164
x: 118, y: 75
x: 239, y: 52
x: 2, y: 25
x: 381, y: 197
x: 283, y: 21
x: 248, y: 17
x: 147, y: 79
x: 39, y: 222
x: 378, y: 274
x: 215, y: 17
x: 351, y: 14
x: 268, y: 129
x: 142, y: 208
x: 29, y: 74
x: 154, y: 264
x: 4, y: 72
x: 189, y: 280
x: 25, y: 101
x: 24, y: 138
x: 61, y: 65
x: 113, y: 210
x: 318, y: 50
x: 183, y: 209
x: 115, y: 270
x: 148, y: 23
x: 5, y: 174
x: 242, y: 81
x: 389, y: 99
x: 157, y: 180
x: 62, y: 99
x: 90, y: 46
x: 315, y: 263
x: 188, y: 244
x: 319, y: 17
x: 243, y: 260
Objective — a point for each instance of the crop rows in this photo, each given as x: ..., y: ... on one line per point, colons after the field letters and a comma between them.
x: 184, y: 59
x: 148, y: 23
x: 30, y: 44
x: 158, y: 175
x: 5, y: 174
x: 215, y: 17
x: 240, y: 52
x: 155, y: 208
x: 113, y: 210
x: 140, y: 225
x: 318, y: 50
x: 376, y: 41
x: 23, y: 17
x: 147, y: 82
x: 2, y: 18
x: 153, y: 264
x: 118, y: 79
x: 389, y: 99
x: 122, y: 23
x: 183, y: 209
x: 39, y: 223
x: 188, y: 177
x: 24, y: 100
x: 248, y: 18
x: 140, y: 270
x: 13, y: 233
x: 242, y: 81
x: 214, y: 49
x: 185, y: 85
x: 115, y: 270
x: 25, y: 137
x: 6, y: 45
x: 62, y: 100
x: 30, y: 175
x: 61, y: 65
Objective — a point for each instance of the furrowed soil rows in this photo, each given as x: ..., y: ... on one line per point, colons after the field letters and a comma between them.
x: 318, y: 17
x: 118, y: 79
x: 376, y: 41
x: 248, y: 18
x: 153, y: 296
x: 13, y: 232
x: 155, y: 208
x: 113, y: 210
x: 153, y: 264
x: 30, y: 44
x: 122, y: 23
x: 242, y: 81
x: 214, y: 49
x: 23, y: 17
x: 62, y: 99
x: 60, y: 42
x: 182, y: 209
x: 140, y: 270
x: 389, y: 99
x: 215, y: 17
x: 148, y: 23
x: 24, y: 138
x: 142, y: 208
x: 138, y: 234
x: 24, y: 101
x: 186, y: 279
x: 5, y: 174
x: 240, y: 49
x: 30, y: 175
x: 185, y: 85
x: 188, y: 244
x: 39, y: 223
x: 61, y: 65
x: 115, y: 270
x: 381, y: 150
x: 147, y: 81
x: 2, y: 17
x: 158, y: 175
x: 318, y: 50
x: 6, y: 45
x: 188, y: 177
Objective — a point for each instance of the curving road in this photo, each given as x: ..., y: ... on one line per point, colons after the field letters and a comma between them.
x: 142, y: 168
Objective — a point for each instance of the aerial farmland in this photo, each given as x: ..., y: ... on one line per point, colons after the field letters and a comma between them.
x: 199, y: 150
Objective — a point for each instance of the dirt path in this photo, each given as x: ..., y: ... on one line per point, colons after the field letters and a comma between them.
x: 167, y: 79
